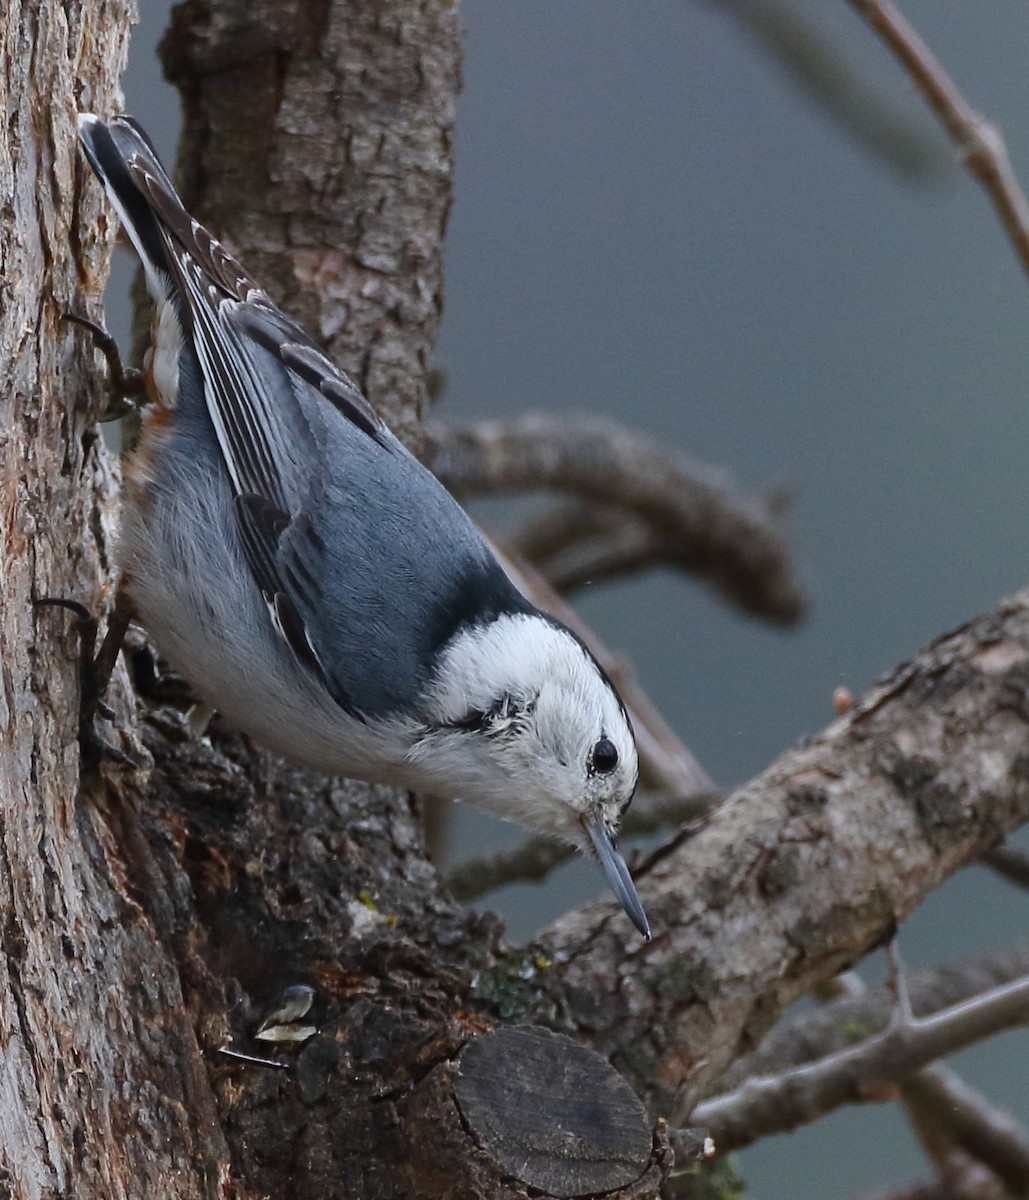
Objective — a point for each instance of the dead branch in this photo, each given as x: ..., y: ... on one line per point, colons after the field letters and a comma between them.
x: 944, y: 1108
x: 851, y: 1012
x: 587, y: 543
x: 803, y: 870
x: 723, y: 536
x: 958, y: 1111
x: 980, y: 142
x: 563, y: 524
x: 954, y: 1121
x: 778, y: 1103
x: 575, y: 543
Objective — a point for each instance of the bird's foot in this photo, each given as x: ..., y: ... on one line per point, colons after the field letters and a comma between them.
x: 126, y: 385
x: 95, y: 670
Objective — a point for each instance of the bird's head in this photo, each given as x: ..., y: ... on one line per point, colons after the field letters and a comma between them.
x: 522, y: 721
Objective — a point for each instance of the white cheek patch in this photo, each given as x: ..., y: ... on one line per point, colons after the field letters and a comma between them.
x: 539, y: 772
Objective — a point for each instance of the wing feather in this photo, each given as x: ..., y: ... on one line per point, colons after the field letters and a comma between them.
x: 279, y: 408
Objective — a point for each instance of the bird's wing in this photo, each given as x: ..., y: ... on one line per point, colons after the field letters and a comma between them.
x: 256, y: 365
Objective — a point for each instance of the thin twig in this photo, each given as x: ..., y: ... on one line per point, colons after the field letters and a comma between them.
x: 536, y: 857
x: 955, y: 1109
x: 569, y: 520
x: 979, y: 141
x: 606, y: 545
x: 948, y: 1114
x: 781, y: 1102
x: 856, y: 1012
x: 727, y: 538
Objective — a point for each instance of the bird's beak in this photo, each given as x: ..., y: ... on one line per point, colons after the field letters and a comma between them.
x: 616, y: 872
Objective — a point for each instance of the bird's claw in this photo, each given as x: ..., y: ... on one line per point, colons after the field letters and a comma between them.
x: 95, y: 750
x: 126, y: 384
x: 95, y: 669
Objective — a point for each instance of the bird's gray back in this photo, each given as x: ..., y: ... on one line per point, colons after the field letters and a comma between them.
x: 401, y: 567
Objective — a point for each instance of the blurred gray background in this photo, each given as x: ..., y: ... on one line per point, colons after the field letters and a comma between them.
x: 655, y: 220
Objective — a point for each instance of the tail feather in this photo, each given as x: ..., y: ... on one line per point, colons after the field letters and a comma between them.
x: 117, y: 153
x: 163, y: 232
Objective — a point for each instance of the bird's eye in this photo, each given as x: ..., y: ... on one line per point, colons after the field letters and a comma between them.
x: 604, y: 757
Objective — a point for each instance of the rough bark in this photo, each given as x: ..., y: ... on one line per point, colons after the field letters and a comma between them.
x: 806, y: 868
x: 349, y: 112
x: 213, y: 877
x: 102, y: 1092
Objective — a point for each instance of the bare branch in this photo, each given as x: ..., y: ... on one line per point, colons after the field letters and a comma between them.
x: 950, y: 1115
x: 559, y: 527
x: 779, y: 1103
x: 1010, y: 862
x: 954, y: 1109
x: 979, y: 141
x: 536, y: 857
x: 592, y: 543
x: 850, y: 1012
x: 530, y: 862
x: 574, y: 543
x: 728, y: 539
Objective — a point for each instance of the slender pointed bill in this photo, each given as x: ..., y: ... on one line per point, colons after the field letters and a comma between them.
x: 616, y: 872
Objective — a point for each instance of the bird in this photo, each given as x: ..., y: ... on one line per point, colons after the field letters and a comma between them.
x: 314, y: 582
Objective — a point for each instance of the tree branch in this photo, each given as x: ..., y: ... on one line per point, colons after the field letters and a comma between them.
x: 945, y: 1110
x: 575, y: 543
x: 728, y: 539
x: 849, y: 1012
x: 804, y: 869
x: 958, y: 1111
x: 778, y: 1103
x: 980, y: 142
x: 578, y: 543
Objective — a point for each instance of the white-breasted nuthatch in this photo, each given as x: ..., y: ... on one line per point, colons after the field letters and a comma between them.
x: 315, y: 583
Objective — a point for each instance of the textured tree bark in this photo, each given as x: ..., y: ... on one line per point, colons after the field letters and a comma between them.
x: 807, y: 867
x: 333, y: 187
x: 102, y: 1092
x: 345, y: 114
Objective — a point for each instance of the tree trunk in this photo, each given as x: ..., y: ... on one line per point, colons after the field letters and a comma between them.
x: 102, y: 1090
